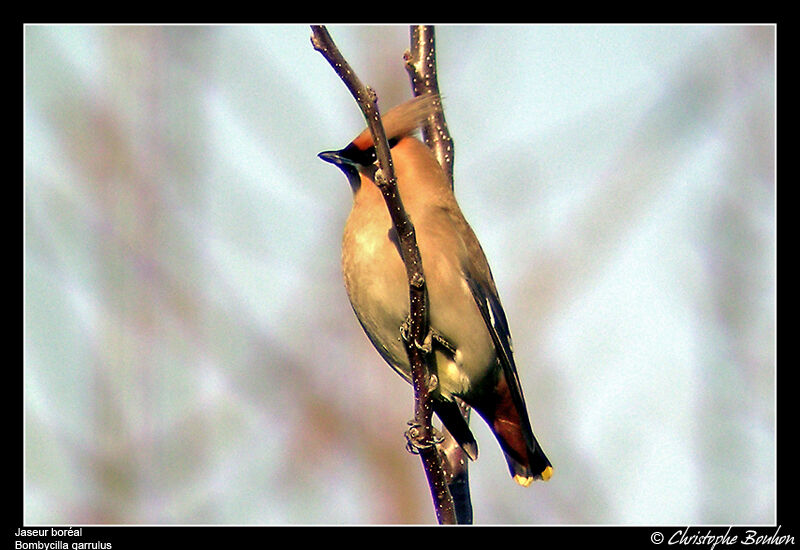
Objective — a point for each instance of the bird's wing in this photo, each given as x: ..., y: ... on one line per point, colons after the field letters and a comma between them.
x: 481, y: 284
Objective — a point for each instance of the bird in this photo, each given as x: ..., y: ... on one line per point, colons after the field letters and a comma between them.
x: 470, y: 337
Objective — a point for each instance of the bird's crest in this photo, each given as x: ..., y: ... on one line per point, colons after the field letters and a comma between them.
x: 401, y: 120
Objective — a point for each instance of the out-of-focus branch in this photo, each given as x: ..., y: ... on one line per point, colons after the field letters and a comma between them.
x: 421, y: 67
x: 420, y: 61
x: 420, y: 435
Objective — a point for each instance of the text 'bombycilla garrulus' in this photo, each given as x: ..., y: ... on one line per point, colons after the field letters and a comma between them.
x: 470, y: 336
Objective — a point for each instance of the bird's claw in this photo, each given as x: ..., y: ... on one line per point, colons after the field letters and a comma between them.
x: 415, y: 442
x: 405, y: 333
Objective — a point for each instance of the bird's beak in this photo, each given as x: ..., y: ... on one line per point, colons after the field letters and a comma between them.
x: 346, y: 165
x: 335, y: 157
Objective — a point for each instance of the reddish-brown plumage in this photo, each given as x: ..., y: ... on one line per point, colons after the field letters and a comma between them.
x: 523, y: 454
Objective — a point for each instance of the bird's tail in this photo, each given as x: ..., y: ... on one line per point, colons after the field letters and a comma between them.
x: 535, y: 466
x: 510, y: 424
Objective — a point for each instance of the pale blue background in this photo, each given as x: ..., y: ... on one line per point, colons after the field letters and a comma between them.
x: 190, y: 354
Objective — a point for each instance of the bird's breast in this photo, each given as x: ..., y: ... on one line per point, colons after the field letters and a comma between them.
x: 377, y: 286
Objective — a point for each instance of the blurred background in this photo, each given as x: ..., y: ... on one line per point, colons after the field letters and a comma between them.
x: 190, y: 355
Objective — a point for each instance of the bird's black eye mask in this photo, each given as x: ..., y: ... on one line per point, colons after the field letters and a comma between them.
x: 364, y: 157
x: 353, y: 161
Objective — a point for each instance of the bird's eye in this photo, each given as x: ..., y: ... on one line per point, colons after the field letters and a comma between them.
x: 365, y: 157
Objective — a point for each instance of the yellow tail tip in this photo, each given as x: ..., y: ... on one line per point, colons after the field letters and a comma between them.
x: 522, y: 480
x: 525, y: 481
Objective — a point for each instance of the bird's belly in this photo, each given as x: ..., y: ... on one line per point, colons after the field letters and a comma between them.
x: 377, y: 286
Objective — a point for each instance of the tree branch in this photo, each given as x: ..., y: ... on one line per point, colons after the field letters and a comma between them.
x: 420, y: 435
x: 420, y: 62
x: 421, y: 67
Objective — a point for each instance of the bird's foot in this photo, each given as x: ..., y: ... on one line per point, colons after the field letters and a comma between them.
x: 416, y: 442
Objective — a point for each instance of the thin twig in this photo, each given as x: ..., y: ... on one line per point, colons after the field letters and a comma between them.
x: 420, y: 61
x: 421, y: 433
x: 421, y: 67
